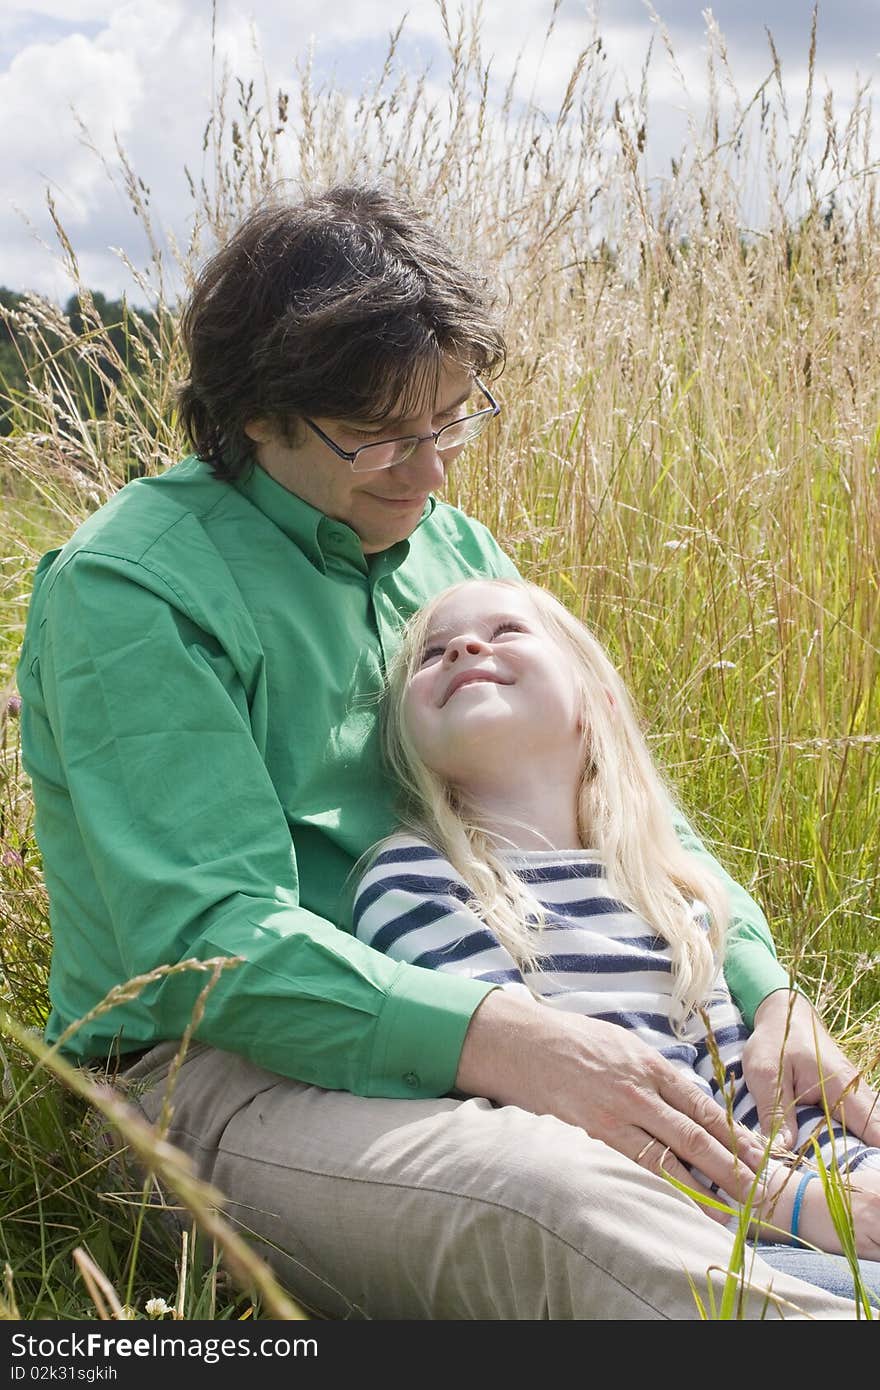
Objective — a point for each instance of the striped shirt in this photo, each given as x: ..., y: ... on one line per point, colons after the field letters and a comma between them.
x: 597, y: 958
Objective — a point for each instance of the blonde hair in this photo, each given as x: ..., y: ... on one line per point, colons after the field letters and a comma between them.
x: 624, y: 813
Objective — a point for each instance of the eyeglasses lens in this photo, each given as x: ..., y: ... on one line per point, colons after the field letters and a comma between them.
x: 388, y: 455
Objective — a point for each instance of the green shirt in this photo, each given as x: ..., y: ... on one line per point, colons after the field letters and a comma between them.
x: 200, y: 679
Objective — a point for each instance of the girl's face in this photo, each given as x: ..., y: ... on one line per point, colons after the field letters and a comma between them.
x: 492, y: 687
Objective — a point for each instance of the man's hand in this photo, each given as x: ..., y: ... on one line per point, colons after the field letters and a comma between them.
x: 812, y: 1071
x: 604, y: 1080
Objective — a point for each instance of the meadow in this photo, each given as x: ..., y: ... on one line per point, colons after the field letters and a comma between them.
x: 687, y: 456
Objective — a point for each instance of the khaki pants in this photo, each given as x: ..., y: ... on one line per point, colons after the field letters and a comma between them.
x: 447, y: 1209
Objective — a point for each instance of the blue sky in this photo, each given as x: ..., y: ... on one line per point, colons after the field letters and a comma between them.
x: 76, y: 76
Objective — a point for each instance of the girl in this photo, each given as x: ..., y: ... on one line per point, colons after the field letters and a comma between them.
x: 543, y: 858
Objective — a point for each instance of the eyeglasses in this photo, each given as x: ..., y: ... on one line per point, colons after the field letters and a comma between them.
x: 388, y: 453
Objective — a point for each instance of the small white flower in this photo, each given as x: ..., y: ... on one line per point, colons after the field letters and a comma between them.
x: 156, y: 1308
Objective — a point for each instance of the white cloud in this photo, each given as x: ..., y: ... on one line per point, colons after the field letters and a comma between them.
x: 142, y: 73
x: 71, y: 11
x: 103, y: 86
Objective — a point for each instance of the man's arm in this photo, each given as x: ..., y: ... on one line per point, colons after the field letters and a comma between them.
x: 816, y: 1071
x: 163, y: 839
x: 751, y: 968
x: 604, y: 1079
x: 791, y: 1058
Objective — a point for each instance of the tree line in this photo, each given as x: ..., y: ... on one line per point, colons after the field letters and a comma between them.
x: 23, y: 352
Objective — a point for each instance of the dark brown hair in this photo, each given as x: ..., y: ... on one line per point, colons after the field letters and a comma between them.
x: 343, y: 304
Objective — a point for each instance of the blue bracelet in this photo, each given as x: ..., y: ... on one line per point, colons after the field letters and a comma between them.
x: 796, y: 1209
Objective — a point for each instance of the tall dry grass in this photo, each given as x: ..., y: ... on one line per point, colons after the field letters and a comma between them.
x: 688, y: 456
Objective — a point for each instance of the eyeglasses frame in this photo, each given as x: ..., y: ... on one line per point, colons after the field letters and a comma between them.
x: 490, y: 412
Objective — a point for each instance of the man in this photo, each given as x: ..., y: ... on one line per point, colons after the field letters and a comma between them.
x: 199, y: 682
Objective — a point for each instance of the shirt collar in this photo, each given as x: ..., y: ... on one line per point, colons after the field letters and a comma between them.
x: 318, y: 536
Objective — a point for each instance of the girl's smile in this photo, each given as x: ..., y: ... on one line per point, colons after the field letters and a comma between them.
x: 489, y: 639
x: 470, y: 676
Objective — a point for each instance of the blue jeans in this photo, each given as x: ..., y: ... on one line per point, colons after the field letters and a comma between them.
x: 830, y: 1272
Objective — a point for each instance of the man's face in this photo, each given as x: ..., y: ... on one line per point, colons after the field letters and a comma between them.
x: 384, y: 505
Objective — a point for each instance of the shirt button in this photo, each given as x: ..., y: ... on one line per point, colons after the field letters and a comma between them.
x: 337, y: 536
x: 412, y: 1079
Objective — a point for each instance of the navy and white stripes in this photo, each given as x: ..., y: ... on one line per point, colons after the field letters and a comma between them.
x: 598, y: 958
